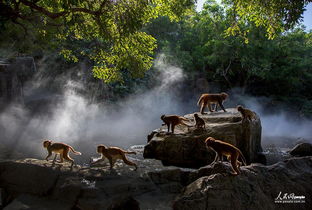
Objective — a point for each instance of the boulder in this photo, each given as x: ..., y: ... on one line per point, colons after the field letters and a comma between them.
x: 212, y: 186
x: 258, y: 187
x: 186, y: 148
x: 302, y: 149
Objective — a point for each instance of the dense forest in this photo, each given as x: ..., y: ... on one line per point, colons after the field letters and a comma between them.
x: 230, y: 46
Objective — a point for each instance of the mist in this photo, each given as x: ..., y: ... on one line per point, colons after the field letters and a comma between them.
x: 72, y: 119
x: 280, y: 127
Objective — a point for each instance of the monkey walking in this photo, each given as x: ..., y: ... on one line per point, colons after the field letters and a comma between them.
x: 113, y: 154
x: 246, y: 113
x: 208, y: 99
x: 173, y: 120
x: 61, y: 149
x: 199, y: 122
x: 231, y: 152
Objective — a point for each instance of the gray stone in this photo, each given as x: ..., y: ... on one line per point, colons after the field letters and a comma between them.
x: 256, y: 188
x: 302, y: 149
x: 186, y: 147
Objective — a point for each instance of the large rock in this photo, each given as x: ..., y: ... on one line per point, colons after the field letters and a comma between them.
x: 258, y: 187
x: 302, y: 149
x: 186, y: 148
x: 151, y: 187
x: 38, y: 184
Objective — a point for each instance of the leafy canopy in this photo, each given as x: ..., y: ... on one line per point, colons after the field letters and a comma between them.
x: 274, y: 15
x: 110, y: 29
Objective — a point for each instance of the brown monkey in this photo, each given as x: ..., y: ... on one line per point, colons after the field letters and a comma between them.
x: 246, y: 113
x: 231, y: 152
x: 207, y: 99
x: 199, y: 122
x: 61, y: 149
x: 173, y: 120
x: 112, y: 154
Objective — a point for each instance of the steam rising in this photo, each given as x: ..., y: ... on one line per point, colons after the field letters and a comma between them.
x: 75, y: 121
x: 279, y: 126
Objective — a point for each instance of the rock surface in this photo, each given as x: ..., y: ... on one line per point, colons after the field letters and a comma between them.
x: 37, y: 184
x: 258, y: 187
x: 186, y: 148
x: 302, y: 149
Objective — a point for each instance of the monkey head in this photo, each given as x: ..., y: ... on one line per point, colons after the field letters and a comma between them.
x: 46, y: 143
x: 239, y: 108
x: 100, y: 148
x: 195, y: 115
x: 209, y: 141
x: 224, y: 95
x: 162, y: 117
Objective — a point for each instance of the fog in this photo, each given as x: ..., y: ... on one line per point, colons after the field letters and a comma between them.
x: 74, y: 120
x: 279, y: 126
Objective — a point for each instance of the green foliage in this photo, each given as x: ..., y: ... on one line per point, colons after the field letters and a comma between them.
x: 110, y: 28
x: 274, y: 15
x: 279, y: 68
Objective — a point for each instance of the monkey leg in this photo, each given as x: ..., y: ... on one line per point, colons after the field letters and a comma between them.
x: 203, y: 105
x: 216, y: 158
x: 220, y: 157
x: 128, y: 162
x: 54, y: 159
x: 62, y: 158
x: 111, y: 162
x: 221, y: 105
x: 49, y: 155
x: 168, y: 126
x: 66, y: 157
x: 234, y: 164
x: 209, y: 106
x: 172, y: 127
x: 216, y: 107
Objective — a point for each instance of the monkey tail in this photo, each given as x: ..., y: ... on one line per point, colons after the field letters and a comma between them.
x: 243, y: 158
x: 185, y: 119
x: 130, y: 152
x: 200, y: 100
x: 75, y: 152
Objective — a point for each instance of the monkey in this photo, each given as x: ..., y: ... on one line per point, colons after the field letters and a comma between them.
x: 207, y: 99
x: 231, y: 152
x: 112, y: 154
x: 61, y: 149
x: 199, y: 122
x: 173, y: 120
x: 246, y: 113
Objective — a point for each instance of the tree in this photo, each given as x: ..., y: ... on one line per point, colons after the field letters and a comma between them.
x: 274, y: 15
x: 111, y: 29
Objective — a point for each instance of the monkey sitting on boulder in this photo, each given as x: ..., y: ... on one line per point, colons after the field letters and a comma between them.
x: 199, y: 122
x: 246, y: 113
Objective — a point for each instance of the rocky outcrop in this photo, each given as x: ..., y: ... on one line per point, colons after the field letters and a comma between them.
x: 302, y: 149
x: 36, y: 184
x: 186, y: 148
x: 258, y: 187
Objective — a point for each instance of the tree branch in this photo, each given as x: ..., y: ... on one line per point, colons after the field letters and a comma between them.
x: 55, y: 15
